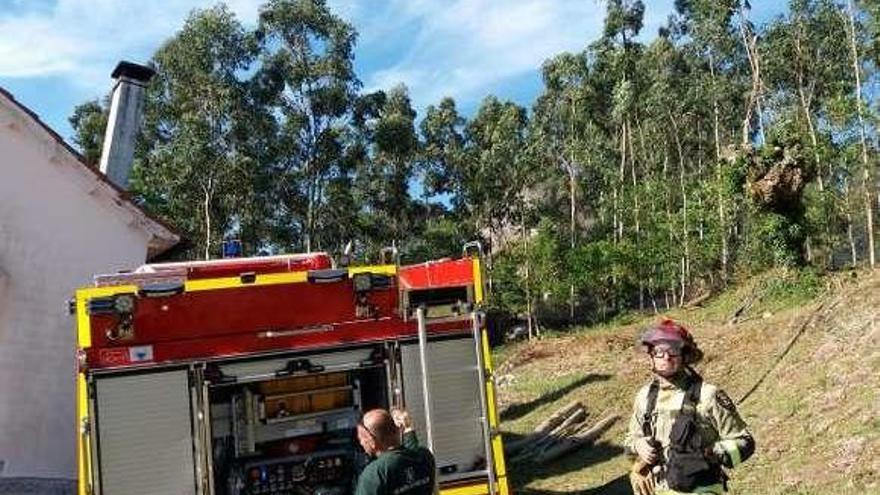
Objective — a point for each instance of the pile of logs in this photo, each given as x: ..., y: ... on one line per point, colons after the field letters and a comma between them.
x: 563, y: 432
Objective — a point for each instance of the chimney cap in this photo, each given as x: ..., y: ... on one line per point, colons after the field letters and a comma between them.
x: 132, y: 70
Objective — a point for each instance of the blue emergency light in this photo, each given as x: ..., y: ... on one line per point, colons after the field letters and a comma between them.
x: 232, y: 248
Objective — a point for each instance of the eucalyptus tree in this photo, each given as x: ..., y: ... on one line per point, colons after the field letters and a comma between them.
x: 193, y: 165
x: 88, y: 121
x: 307, y: 61
x: 441, y: 166
x: 389, y: 169
x: 704, y: 29
x: 623, y: 22
x: 492, y: 174
x: 855, y: 36
x: 669, y: 112
x: 443, y: 153
x: 806, y: 53
x: 754, y: 114
x: 565, y: 137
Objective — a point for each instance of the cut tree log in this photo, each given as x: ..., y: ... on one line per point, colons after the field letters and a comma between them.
x: 568, y: 426
x: 558, y: 417
x: 566, y: 445
x: 545, y: 428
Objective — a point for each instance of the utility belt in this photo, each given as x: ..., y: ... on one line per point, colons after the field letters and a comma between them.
x: 684, y: 467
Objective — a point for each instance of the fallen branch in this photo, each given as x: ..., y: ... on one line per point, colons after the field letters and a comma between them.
x: 698, y: 300
x: 754, y: 297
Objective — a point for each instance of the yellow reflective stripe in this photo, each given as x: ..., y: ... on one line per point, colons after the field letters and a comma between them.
x: 278, y: 278
x: 87, y: 293
x: 377, y: 269
x: 497, y: 443
x: 478, y: 281
x: 82, y: 448
x: 732, y: 449
x: 233, y: 282
x: 480, y: 489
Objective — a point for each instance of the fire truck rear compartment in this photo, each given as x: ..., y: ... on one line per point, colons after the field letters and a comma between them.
x: 277, y: 433
x: 281, y: 424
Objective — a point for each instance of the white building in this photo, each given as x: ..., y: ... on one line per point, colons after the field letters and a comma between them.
x: 61, y: 222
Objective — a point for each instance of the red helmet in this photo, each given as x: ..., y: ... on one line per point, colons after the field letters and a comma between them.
x: 674, y: 333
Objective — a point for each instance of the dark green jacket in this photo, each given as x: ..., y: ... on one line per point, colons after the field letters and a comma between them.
x: 407, y: 470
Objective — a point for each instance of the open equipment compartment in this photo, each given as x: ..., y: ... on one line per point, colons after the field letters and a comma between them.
x: 286, y: 425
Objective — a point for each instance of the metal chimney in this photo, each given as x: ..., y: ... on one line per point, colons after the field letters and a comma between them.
x: 126, y: 107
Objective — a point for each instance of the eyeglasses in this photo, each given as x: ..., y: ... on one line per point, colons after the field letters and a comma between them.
x: 659, y: 352
x: 369, y: 431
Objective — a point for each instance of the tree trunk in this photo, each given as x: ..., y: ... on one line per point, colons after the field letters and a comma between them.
x: 621, y: 174
x: 531, y: 329
x: 632, y: 168
x: 685, y: 260
x: 866, y: 172
x: 722, y: 228
x: 722, y: 224
x: 715, y: 109
x: 754, y: 102
x: 208, y: 190
x: 572, y: 193
x: 849, y: 225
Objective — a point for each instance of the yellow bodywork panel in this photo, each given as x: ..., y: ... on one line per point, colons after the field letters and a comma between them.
x: 376, y: 269
x: 480, y: 489
x: 478, y: 281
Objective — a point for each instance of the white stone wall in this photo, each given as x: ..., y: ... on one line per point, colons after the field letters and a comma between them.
x: 59, y: 226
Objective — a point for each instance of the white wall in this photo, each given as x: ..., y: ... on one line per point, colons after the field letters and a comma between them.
x: 58, y: 227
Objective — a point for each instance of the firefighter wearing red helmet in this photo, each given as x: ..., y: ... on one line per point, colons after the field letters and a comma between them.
x: 683, y: 431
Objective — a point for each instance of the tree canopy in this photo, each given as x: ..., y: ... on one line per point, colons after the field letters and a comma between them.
x: 644, y: 174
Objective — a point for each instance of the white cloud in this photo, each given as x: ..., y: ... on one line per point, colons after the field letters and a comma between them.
x: 83, y: 39
x: 436, y: 47
x: 464, y: 46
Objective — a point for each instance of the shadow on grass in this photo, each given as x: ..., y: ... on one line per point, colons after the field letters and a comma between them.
x: 617, y: 486
x: 519, y: 410
x: 524, y: 471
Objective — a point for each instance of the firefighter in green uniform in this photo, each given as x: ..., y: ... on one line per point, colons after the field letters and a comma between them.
x: 401, y: 466
x: 682, y: 430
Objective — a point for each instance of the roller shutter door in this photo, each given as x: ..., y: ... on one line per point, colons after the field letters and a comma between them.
x: 455, y: 405
x: 144, y: 434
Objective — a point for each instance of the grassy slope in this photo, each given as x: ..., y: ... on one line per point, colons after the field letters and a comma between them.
x: 816, y: 415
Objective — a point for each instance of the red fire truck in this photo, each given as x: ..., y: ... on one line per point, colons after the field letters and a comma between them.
x: 249, y: 376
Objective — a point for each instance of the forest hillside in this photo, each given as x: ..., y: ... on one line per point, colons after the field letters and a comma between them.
x: 802, y: 351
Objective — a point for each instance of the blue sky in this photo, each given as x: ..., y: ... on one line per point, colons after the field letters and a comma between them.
x: 55, y: 54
